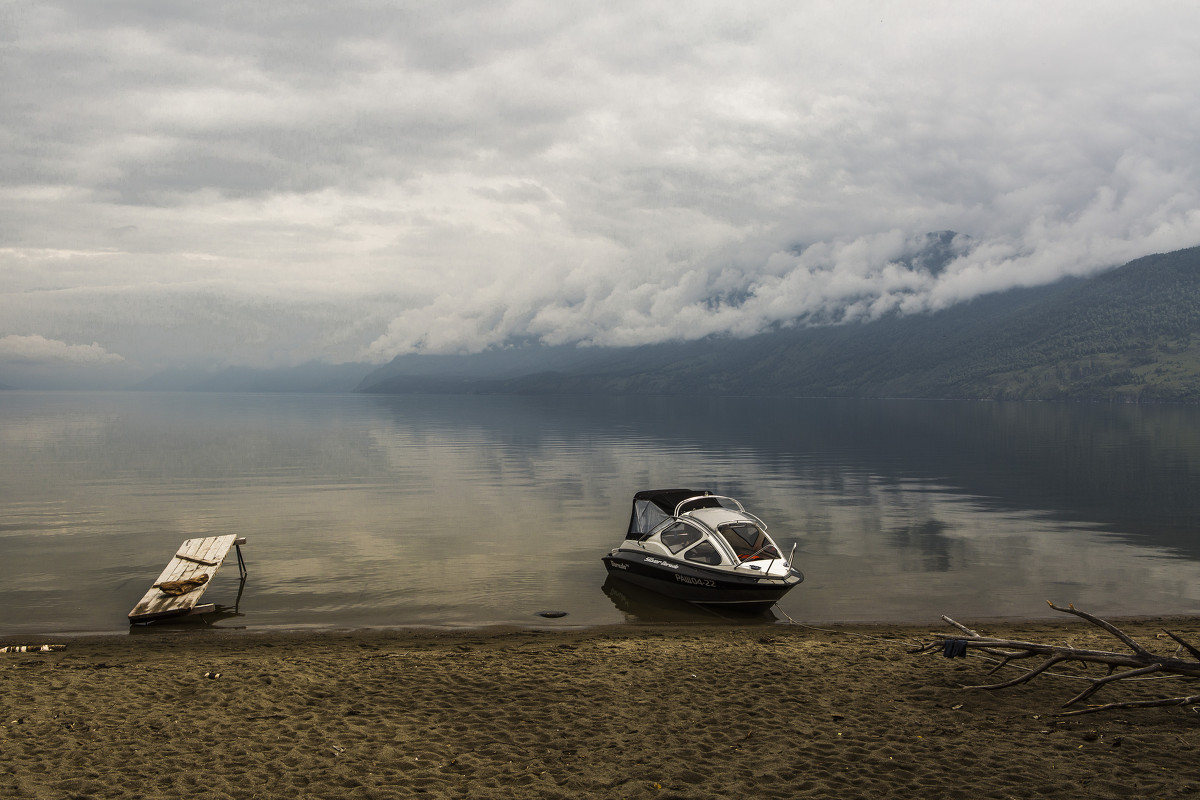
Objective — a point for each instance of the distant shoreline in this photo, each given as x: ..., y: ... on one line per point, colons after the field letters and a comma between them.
x: 184, y: 629
x: 200, y: 630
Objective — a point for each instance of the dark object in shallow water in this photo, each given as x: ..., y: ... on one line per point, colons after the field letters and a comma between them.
x: 551, y: 614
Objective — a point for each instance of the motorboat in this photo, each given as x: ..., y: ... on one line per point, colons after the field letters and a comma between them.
x: 704, y: 548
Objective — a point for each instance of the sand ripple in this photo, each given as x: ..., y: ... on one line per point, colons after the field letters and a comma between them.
x: 696, y: 712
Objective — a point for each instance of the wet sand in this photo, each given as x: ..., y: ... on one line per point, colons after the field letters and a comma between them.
x: 630, y: 711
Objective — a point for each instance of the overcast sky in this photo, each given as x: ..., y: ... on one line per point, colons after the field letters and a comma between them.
x: 269, y: 183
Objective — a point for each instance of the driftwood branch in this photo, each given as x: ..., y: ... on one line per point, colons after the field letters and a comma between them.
x: 1139, y: 662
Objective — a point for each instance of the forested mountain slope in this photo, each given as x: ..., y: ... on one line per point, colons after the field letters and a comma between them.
x: 1131, y: 334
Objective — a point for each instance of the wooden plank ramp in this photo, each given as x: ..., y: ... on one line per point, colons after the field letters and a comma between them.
x: 187, y: 576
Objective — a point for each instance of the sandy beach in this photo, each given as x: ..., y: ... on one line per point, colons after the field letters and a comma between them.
x: 622, y: 712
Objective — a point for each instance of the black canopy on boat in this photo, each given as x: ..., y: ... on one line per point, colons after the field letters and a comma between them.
x: 654, y: 505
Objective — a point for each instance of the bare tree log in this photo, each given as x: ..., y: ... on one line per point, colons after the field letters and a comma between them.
x: 1168, y: 701
x: 1139, y: 662
x: 1194, y: 651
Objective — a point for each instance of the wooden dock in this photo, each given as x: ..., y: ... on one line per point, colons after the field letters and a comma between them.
x: 182, y: 584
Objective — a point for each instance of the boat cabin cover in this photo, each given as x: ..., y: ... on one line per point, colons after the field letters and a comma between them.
x: 654, y: 506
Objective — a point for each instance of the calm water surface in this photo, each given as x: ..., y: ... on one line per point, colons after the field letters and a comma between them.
x: 461, y: 511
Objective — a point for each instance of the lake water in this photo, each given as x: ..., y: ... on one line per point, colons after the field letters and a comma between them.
x: 371, y: 511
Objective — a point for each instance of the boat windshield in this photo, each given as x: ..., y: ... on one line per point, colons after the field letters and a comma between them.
x: 748, y: 541
x: 704, y: 553
x: 678, y: 536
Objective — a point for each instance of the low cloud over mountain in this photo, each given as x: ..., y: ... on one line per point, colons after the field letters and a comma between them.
x: 213, y: 185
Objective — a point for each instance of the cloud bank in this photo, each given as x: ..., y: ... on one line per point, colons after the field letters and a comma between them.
x: 272, y: 184
x: 40, y: 350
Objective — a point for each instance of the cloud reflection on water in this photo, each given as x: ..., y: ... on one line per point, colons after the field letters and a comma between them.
x: 480, y: 510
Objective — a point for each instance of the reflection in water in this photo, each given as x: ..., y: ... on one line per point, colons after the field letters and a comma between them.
x: 217, y: 619
x: 639, y: 604
x: 377, y: 511
x: 930, y: 539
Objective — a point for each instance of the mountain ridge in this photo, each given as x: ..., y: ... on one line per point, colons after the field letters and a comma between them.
x: 1131, y: 334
